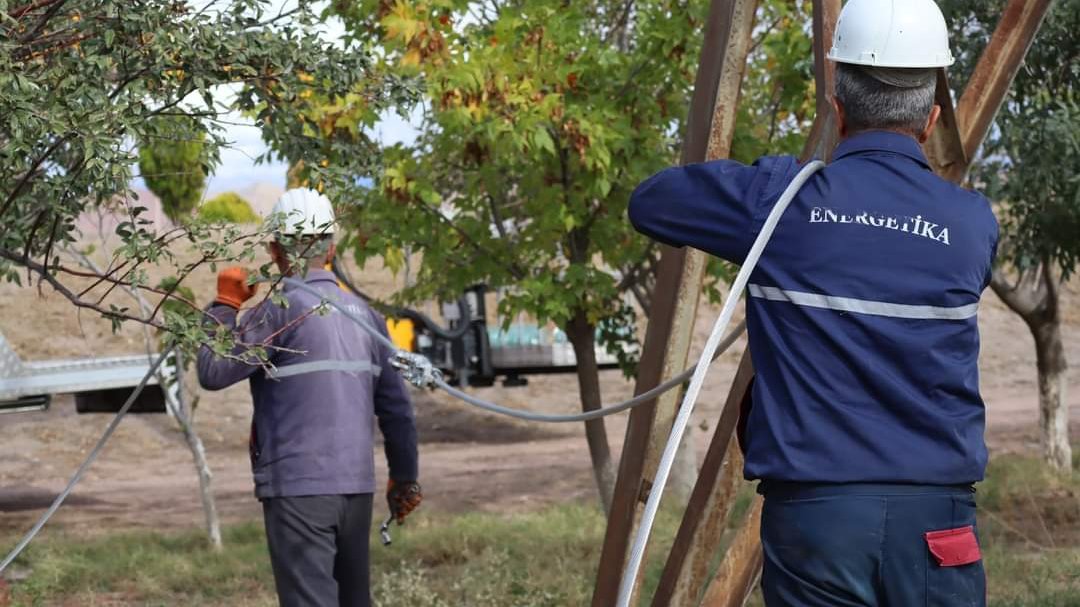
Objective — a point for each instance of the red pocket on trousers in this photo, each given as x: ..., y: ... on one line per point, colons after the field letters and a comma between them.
x: 954, y: 547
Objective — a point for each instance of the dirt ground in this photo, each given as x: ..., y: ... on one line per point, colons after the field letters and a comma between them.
x: 469, y: 460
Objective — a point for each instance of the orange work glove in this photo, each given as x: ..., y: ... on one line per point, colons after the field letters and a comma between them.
x: 233, y: 288
x: 403, y: 497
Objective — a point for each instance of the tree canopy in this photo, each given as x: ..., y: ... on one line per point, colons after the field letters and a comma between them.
x: 1029, y: 162
x: 83, y: 81
x: 538, y: 120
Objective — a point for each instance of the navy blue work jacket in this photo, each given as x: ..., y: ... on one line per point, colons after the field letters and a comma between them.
x: 861, y: 312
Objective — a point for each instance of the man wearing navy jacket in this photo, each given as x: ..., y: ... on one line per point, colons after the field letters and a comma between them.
x: 866, y: 425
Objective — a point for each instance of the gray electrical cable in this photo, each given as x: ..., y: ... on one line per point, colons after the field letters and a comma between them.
x: 518, y: 413
x: 30, y: 535
x: 596, y: 413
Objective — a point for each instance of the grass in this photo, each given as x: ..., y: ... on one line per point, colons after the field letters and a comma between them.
x: 546, y: 558
x: 538, y: 559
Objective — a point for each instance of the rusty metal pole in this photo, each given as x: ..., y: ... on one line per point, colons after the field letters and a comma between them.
x: 823, y: 136
x: 698, y: 539
x: 702, y: 527
x: 997, y: 67
x: 671, y: 317
x: 944, y: 149
x: 953, y: 144
x: 741, y: 568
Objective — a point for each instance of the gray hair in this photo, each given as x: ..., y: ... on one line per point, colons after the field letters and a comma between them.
x: 872, y: 104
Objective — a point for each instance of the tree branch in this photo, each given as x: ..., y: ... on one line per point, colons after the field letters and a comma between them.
x: 620, y: 26
x: 1027, y: 296
x: 30, y: 172
x: 49, y: 245
x: 120, y: 282
x: 55, y: 7
x: 496, y: 219
x: 43, y: 272
x: 512, y: 267
x: 40, y: 217
x: 1051, y: 287
x: 19, y: 12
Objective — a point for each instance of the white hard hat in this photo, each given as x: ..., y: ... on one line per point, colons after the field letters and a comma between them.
x: 892, y: 33
x: 302, y: 211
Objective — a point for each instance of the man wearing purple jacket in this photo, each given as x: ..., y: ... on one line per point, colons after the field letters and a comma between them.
x: 312, y: 438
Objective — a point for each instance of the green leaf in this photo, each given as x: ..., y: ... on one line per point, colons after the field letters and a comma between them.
x: 542, y: 140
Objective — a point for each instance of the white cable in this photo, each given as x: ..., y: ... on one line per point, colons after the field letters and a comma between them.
x: 637, y: 550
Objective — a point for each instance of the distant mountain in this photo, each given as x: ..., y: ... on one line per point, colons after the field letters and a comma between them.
x: 262, y: 196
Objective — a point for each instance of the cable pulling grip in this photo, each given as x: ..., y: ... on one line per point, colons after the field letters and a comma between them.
x: 416, y: 369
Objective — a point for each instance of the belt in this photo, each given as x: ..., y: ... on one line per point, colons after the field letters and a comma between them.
x: 794, y: 490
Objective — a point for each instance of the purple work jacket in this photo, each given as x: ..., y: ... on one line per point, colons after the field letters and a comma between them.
x: 312, y: 432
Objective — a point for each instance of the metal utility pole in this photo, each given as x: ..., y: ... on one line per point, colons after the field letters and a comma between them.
x: 678, y: 284
x: 703, y: 524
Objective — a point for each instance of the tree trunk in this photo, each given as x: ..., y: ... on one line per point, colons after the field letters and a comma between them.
x: 1053, y: 406
x: 184, y: 411
x: 178, y: 403
x: 582, y: 336
x: 202, y: 468
x: 1036, y: 297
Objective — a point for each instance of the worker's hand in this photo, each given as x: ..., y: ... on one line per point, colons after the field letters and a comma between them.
x: 403, y: 497
x: 233, y: 288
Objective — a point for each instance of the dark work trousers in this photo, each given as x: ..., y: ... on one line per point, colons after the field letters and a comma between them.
x: 319, y: 549
x: 864, y: 545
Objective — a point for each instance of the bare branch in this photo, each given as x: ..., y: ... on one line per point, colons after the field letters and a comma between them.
x: 1028, y: 296
x: 120, y: 282
x: 72, y: 297
x: 19, y: 12
x: 55, y: 7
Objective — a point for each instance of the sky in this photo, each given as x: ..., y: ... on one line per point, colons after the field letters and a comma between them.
x: 238, y: 171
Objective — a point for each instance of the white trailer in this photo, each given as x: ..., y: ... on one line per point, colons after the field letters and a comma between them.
x: 99, y: 384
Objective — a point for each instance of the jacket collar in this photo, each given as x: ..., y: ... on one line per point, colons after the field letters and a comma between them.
x: 882, y: 141
x: 318, y: 275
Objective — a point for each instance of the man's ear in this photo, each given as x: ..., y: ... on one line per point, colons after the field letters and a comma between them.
x: 841, y: 119
x: 330, y: 252
x: 930, y: 123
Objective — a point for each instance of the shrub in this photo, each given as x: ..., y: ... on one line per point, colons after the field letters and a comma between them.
x: 229, y: 207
